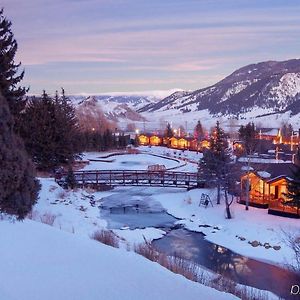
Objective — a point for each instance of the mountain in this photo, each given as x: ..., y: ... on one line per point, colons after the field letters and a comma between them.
x: 262, y: 88
x: 120, y: 106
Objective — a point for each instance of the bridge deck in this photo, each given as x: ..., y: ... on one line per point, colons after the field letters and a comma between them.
x: 137, y: 177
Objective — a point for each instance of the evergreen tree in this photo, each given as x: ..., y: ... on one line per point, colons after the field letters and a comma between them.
x: 168, y: 131
x: 18, y: 186
x: 213, y: 165
x: 66, y: 122
x: 10, y: 77
x: 49, y: 131
x: 70, y: 178
x: 286, y: 130
x: 198, y: 131
x: 293, y: 186
x: 248, y: 134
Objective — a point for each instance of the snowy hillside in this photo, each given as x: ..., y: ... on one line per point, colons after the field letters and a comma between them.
x: 122, y: 106
x: 41, y: 262
x: 262, y: 92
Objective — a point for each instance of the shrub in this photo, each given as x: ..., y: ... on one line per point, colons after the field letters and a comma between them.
x: 106, y: 237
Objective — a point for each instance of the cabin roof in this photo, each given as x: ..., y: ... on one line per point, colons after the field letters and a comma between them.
x: 276, y: 171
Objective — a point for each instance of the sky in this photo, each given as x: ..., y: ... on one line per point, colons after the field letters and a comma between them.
x: 101, y: 46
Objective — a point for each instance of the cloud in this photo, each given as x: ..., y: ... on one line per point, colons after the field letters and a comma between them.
x: 144, y: 40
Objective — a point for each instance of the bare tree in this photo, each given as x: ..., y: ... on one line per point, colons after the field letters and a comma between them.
x: 292, y: 240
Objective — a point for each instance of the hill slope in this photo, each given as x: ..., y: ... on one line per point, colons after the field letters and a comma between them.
x: 41, y: 262
x: 269, y: 86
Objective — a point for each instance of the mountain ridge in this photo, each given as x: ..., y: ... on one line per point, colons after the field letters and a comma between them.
x: 270, y: 85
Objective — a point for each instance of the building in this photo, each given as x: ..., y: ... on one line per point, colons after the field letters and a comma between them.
x: 143, y: 140
x: 182, y: 143
x: 268, y: 188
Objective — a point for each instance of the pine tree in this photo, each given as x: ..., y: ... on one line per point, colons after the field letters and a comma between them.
x: 286, y: 130
x: 198, y: 131
x: 213, y: 165
x: 10, y: 77
x: 18, y: 186
x: 293, y: 185
x: 248, y: 134
x: 49, y: 131
x: 67, y: 125
x: 70, y: 178
x: 169, y: 131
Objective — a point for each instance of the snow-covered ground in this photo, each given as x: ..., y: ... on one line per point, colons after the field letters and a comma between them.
x: 40, y: 262
x: 185, y: 161
x: 127, y: 162
x: 75, y: 216
x: 75, y: 212
x: 261, y: 117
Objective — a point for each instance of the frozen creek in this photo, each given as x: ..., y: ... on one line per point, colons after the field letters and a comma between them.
x: 135, y: 208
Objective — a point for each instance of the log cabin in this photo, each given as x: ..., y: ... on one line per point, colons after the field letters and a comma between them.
x: 143, y: 140
x: 268, y: 188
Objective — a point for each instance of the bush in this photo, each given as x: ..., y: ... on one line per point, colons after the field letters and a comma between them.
x: 175, y: 263
x: 106, y: 237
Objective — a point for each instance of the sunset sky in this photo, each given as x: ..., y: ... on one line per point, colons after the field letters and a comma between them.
x: 97, y: 46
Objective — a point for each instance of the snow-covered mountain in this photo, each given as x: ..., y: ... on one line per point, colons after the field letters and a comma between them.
x: 121, y: 106
x: 266, y: 87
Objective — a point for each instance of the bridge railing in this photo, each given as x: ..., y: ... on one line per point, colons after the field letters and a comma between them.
x: 136, y: 177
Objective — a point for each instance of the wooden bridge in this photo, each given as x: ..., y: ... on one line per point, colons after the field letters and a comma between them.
x: 135, y: 178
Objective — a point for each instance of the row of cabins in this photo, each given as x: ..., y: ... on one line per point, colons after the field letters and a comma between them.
x: 267, y: 185
x: 268, y: 189
x: 183, y: 143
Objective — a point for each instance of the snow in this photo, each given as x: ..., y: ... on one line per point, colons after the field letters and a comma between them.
x: 263, y: 160
x: 190, y: 158
x: 126, y: 161
x: 41, y: 262
x: 138, y: 236
x: 288, y: 86
x: 76, y: 215
x: 254, y: 224
x: 235, y: 89
x: 263, y: 174
x: 160, y: 94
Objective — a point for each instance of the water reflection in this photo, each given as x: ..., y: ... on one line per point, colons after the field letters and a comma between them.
x: 194, y: 247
